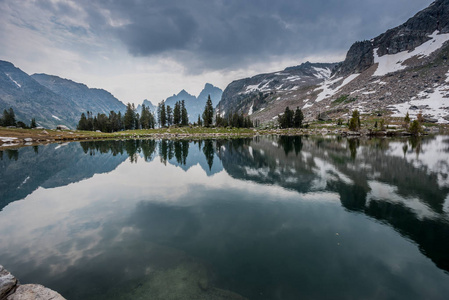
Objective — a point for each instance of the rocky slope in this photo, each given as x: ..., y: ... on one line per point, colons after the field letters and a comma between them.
x: 265, y: 92
x: 195, y: 105
x: 404, y: 69
x: 51, y: 100
x: 29, y: 99
x: 95, y: 100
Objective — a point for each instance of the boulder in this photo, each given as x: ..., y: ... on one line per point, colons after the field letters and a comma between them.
x: 430, y: 120
x: 34, y: 292
x: 7, y: 283
x: 62, y: 127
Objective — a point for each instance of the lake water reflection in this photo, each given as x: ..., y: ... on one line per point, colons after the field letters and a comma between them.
x: 262, y: 218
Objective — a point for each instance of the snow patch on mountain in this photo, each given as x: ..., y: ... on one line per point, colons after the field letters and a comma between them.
x: 434, y: 104
x: 9, y: 76
x: 394, y: 62
x: 251, y: 110
x: 322, y: 73
x: 55, y: 117
x: 328, y: 91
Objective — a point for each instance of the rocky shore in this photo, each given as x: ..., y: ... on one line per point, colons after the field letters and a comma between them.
x: 30, y: 138
x: 11, y: 289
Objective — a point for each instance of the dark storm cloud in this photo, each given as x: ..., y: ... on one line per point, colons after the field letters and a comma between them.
x: 223, y: 33
x: 168, y: 29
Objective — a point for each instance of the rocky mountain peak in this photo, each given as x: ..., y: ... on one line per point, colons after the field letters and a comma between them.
x: 406, y: 37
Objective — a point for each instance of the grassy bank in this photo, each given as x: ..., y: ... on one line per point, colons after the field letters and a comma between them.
x: 15, y: 137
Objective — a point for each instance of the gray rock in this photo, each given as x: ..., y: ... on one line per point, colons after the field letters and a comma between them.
x: 34, y: 292
x: 7, y: 282
x: 430, y: 120
x: 62, y: 127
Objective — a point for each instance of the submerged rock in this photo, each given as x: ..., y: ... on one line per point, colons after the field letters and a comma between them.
x: 187, y: 280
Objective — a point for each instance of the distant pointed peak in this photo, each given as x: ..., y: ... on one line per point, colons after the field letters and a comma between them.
x: 183, y: 92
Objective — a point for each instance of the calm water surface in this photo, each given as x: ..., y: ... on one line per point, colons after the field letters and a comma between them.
x: 263, y: 218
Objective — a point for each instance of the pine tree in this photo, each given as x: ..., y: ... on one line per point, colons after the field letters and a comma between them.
x: 415, y: 127
x: 129, y: 118
x: 298, y: 118
x: 146, y: 118
x: 177, y: 114
x: 184, y: 114
x: 208, y: 113
x: 199, y: 123
x: 286, y: 120
x: 9, y: 118
x: 33, y: 123
x: 406, y: 121
x: 161, y: 115
x: 82, y: 123
x: 169, y: 113
x: 354, y: 122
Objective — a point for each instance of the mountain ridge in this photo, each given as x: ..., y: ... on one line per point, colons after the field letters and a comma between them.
x: 405, y: 69
x: 195, y: 105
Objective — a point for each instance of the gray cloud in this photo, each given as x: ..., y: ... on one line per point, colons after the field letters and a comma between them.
x: 224, y: 34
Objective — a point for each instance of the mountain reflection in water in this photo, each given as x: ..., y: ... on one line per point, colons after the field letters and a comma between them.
x: 243, y: 199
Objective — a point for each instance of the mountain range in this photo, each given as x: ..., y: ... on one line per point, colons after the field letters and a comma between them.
x: 195, y: 105
x: 51, y: 100
x: 405, y: 69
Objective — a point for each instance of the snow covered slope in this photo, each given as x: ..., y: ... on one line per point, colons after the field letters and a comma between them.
x: 405, y: 69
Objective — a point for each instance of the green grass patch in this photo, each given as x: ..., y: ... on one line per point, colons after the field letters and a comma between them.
x: 343, y: 99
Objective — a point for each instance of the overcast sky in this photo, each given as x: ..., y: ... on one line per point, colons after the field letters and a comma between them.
x: 139, y: 49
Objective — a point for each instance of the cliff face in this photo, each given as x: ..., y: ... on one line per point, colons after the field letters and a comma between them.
x: 405, y: 37
x: 359, y: 58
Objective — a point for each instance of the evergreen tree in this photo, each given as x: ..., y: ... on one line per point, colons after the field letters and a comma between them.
x: 199, y: 123
x: 115, y: 121
x: 12, y: 117
x: 220, y: 122
x: 129, y: 118
x: 184, y: 114
x: 286, y: 120
x: 161, y: 114
x: 406, y: 121
x: 120, y: 121
x: 20, y: 124
x: 90, y: 121
x: 208, y: 113
x: 298, y: 118
x: 169, y: 113
x: 33, y: 123
x: 415, y: 128
x: 82, y: 123
x: 354, y: 122
x: 9, y: 118
x: 177, y: 114
x: 146, y: 118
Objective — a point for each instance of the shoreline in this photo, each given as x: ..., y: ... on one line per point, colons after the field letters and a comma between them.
x: 11, y: 138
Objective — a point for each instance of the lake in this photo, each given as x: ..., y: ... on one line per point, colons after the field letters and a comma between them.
x: 264, y: 218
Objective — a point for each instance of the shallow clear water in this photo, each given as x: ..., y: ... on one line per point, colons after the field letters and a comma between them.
x: 263, y: 218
